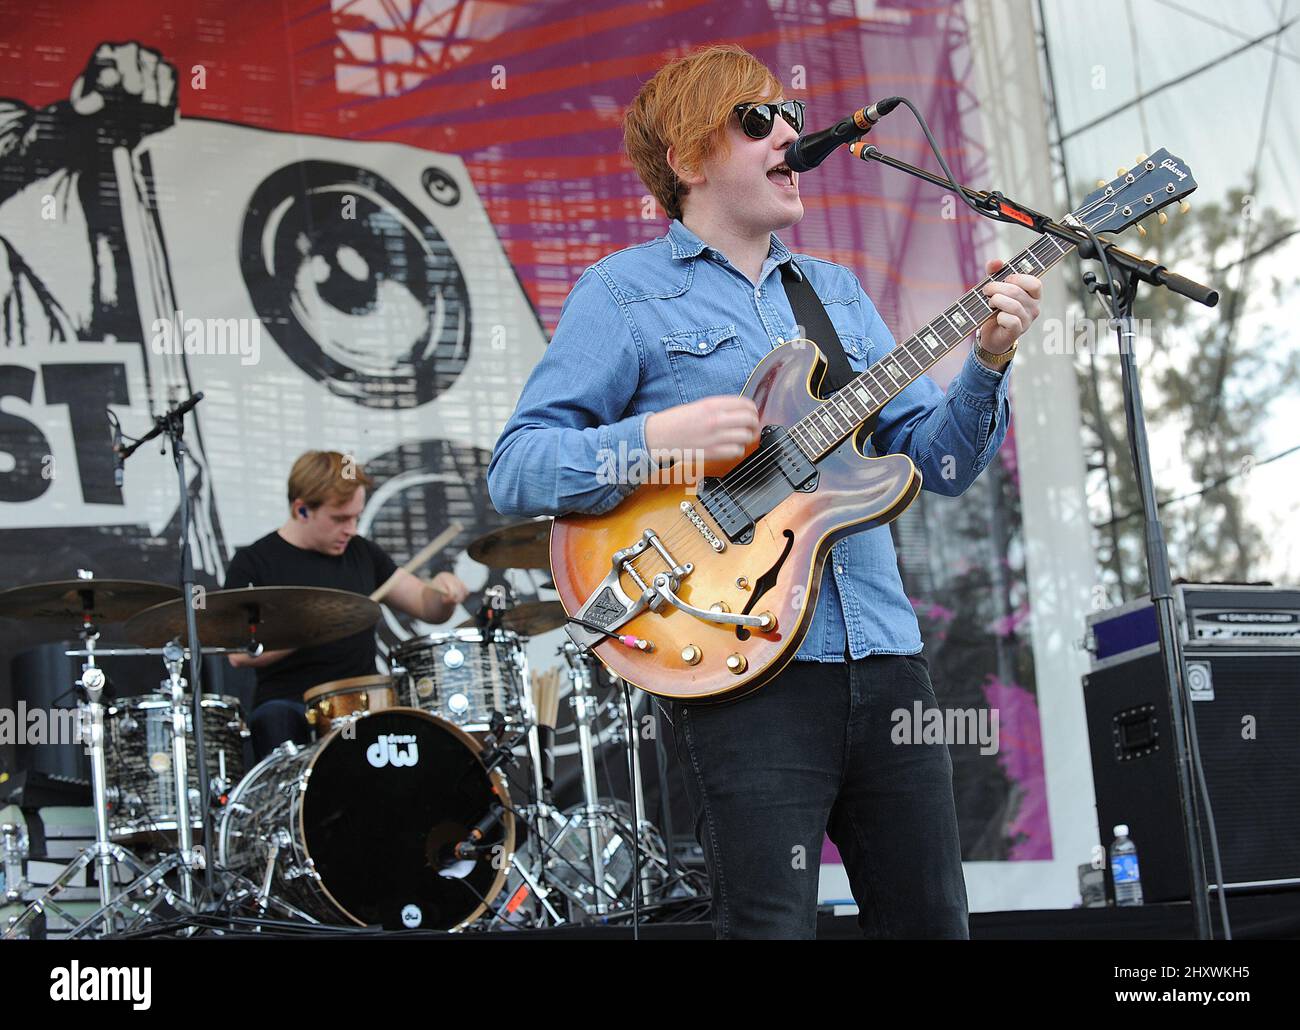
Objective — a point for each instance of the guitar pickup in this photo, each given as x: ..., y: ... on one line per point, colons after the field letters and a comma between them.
x: 763, y: 490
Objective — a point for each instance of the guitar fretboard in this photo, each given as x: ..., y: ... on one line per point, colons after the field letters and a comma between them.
x: 839, y: 416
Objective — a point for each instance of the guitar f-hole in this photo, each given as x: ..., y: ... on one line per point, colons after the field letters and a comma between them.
x: 766, y: 582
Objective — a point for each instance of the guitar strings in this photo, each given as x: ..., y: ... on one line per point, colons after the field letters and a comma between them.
x: 682, y: 533
x: 738, y: 488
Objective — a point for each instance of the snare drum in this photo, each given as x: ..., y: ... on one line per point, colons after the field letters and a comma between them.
x: 462, y: 676
x: 138, y: 757
x: 361, y: 826
x: 330, y: 703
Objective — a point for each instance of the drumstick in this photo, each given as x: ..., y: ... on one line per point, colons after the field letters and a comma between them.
x: 546, y: 696
x: 425, y: 554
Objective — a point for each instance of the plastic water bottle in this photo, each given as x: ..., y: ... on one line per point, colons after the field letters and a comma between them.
x: 1124, y: 868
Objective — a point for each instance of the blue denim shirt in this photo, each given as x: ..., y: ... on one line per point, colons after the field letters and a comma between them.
x: 671, y: 321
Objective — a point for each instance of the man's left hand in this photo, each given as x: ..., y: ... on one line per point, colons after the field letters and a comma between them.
x: 1015, y: 303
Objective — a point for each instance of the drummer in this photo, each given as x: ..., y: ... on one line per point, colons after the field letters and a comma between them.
x: 319, y: 546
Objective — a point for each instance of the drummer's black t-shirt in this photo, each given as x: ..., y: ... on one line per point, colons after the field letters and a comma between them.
x: 274, y: 562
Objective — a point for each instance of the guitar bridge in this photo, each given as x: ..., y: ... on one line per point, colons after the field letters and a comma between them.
x: 610, y: 606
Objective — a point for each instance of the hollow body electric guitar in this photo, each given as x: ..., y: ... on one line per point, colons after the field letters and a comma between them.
x: 703, y: 591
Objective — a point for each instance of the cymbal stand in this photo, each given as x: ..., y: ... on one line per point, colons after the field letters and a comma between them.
x: 102, y: 852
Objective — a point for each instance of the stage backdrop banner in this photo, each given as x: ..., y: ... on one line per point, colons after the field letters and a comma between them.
x: 357, y: 234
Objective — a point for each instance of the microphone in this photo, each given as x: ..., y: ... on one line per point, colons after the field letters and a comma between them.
x: 472, y: 846
x: 188, y: 405
x: 809, y: 151
x: 118, y: 461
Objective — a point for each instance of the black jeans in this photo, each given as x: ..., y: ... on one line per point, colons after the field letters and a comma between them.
x: 275, y: 721
x: 808, y: 754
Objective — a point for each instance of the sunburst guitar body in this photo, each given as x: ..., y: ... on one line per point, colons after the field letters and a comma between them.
x: 772, y: 568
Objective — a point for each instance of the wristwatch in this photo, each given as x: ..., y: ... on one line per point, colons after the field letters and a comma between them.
x: 995, y: 360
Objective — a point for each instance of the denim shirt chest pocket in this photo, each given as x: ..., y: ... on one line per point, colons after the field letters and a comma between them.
x: 858, y: 349
x: 706, y: 361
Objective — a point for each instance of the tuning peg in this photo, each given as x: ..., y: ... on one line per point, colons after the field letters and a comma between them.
x: 1101, y: 182
x: 1142, y: 229
x: 1122, y: 171
x: 1163, y: 218
x: 1184, y: 207
x: 1141, y: 158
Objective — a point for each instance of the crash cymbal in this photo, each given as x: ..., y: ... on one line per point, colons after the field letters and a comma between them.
x: 524, y: 545
x: 531, y: 619
x: 63, y: 600
x: 283, y: 617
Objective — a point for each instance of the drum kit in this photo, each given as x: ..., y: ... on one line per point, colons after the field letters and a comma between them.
x: 402, y: 814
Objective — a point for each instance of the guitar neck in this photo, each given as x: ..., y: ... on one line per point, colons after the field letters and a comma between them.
x: 840, y: 415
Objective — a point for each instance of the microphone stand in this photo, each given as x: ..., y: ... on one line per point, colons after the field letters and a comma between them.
x: 172, y: 425
x: 1123, y: 273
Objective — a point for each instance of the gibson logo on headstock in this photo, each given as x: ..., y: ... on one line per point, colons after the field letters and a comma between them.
x: 1169, y: 163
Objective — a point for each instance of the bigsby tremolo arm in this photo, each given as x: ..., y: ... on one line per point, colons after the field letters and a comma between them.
x: 663, y: 587
x: 610, y: 606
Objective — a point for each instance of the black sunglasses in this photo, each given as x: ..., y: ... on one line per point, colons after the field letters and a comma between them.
x: 757, y: 119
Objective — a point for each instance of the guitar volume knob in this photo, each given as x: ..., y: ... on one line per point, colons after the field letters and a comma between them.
x: 736, y: 663
x: 691, y: 654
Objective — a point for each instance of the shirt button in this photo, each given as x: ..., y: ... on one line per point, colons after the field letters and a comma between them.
x: 704, y: 346
x: 758, y: 293
x: 839, y: 568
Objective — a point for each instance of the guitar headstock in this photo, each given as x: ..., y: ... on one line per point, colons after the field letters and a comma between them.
x: 1153, y: 183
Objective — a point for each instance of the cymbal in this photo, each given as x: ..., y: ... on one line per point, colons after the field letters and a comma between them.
x: 524, y: 545
x: 109, y: 600
x: 530, y: 619
x: 284, y: 616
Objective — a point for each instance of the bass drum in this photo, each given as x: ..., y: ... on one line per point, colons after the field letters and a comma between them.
x: 360, y: 827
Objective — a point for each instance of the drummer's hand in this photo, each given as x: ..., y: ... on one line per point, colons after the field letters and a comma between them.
x: 432, y: 602
x: 449, y: 591
x: 247, y: 661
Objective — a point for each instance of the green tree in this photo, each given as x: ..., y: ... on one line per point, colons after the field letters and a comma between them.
x: 1206, y: 377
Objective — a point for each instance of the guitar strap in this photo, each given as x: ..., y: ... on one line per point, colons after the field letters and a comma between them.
x: 811, y: 314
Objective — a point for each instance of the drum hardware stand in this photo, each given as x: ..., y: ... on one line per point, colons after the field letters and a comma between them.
x: 591, y: 813
x: 638, y: 797
x: 14, y: 851
x: 538, y: 814
x: 599, y: 821
x: 172, y: 425
x: 261, y: 893
x: 174, y: 658
x: 103, y: 852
